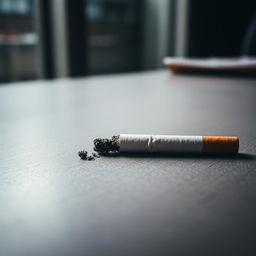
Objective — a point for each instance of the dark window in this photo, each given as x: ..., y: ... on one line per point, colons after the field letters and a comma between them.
x: 18, y: 40
x: 114, y: 35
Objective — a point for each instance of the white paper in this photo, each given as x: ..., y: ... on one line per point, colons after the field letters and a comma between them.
x: 212, y: 63
x: 160, y: 143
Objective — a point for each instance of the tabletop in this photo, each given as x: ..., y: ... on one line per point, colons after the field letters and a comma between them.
x: 53, y: 203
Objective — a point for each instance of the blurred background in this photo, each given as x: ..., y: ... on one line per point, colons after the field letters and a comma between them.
x: 45, y: 39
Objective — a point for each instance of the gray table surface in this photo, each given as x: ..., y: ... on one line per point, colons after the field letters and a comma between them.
x: 53, y: 203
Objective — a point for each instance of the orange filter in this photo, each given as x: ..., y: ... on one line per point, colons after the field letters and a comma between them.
x: 220, y: 144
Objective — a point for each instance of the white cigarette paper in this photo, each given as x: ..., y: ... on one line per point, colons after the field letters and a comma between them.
x: 160, y: 143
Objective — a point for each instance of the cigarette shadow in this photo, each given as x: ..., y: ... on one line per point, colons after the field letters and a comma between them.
x: 239, y: 156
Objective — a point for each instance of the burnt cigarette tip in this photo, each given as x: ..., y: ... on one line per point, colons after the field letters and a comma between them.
x: 105, y: 146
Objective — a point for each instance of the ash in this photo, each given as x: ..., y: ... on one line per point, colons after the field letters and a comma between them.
x: 84, y: 155
x: 102, y: 147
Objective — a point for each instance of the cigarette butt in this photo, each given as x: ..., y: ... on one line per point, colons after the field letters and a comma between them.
x: 217, y: 144
x: 167, y: 144
x: 177, y: 144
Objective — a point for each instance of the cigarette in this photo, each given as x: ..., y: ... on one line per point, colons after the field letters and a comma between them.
x: 167, y: 144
